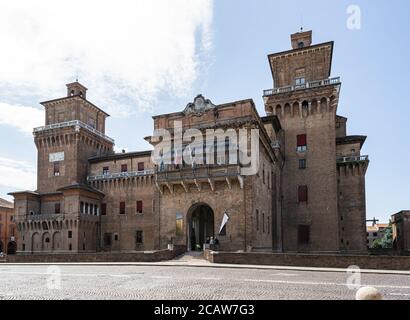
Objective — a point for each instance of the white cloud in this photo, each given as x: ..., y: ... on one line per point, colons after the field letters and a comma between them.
x: 127, y: 52
x: 18, y: 175
x: 21, y: 117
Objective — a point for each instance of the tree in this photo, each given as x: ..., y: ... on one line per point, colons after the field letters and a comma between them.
x: 387, y: 241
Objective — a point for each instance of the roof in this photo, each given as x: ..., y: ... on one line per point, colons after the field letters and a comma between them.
x: 351, y: 139
x: 331, y: 43
x: 6, y: 204
x: 181, y: 113
x: 117, y: 156
x: 71, y: 97
x: 81, y: 187
x: 274, y: 119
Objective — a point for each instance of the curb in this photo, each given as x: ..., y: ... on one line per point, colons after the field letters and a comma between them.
x: 210, y: 265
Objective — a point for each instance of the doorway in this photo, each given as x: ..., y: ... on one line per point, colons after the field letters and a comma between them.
x: 200, y: 226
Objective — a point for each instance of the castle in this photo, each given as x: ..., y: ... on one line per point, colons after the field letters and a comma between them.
x: 308, y: 194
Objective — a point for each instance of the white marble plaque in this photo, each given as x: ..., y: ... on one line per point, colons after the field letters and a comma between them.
x: 57, y: 156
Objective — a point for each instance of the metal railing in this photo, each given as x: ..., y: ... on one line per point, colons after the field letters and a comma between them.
x: 352, y: 159
x: 199, y: 172
x: 39, y: 217
x: 72, y: 123
x: 121, y: 175
x: 308, y: 85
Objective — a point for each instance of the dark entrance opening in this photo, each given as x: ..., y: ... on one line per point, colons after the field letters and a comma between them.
x: 200, y: 226
x: 12, y: 248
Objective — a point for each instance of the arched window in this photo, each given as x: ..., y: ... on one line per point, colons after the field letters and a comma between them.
x: 301, y: 45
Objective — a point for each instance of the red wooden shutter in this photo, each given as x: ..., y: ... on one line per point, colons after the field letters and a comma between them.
x: 303, y: 194
x: 122, y: 207
x: 141, y: 166
x: 124, y: 168
x: 139, y: 206
x: 301, y: 140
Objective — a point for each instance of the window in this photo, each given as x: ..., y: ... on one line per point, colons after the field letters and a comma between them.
x: 141, y: 166
x: 47, y: 240
x: 116, y: 237
x: 91, y: 209
x: 302, y: 163
x: 303, y: 194
x: 81, y: 207
x: 139, y: 206
x: 374, y: 234
x: 86, y: 208
x: 257, y: 220
x: 70, y: 234
x: 303, y: 234
x: 56, y: 169
x: 122, y: 207
x: 300, y: 81
x: 103, y: 209
x: 263, y: 222
x: 301, y: 45
x: 138, y: 237
x: 107, y: 239
x: 179, y: 228
x: 301, y: 142
x: 70, y: 247
x: 268, y: 225
x: 96, y: 210
x: 57, y: 208
x: 124, y: 168
x: 106, y: 170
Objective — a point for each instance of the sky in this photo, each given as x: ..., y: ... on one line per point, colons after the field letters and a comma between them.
x: 147, y: 57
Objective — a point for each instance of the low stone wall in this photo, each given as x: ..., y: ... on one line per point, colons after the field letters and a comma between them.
x: 311, y: 260
x: 146, y: 256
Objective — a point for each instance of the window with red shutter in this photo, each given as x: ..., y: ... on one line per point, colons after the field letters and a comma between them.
x: 139, y: 206
x: 303, y: 194
x: 141, y: 166
x: 103, y: 209
x: 124, y: 168
x: 301, y: 142
x: 122, y: 207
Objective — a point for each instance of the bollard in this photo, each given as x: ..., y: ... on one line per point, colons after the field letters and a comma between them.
x: 368, y: 293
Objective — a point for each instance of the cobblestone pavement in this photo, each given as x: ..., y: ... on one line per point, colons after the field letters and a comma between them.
x: 184, y: 282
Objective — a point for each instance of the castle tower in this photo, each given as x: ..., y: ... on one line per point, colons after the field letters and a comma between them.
x: 305, y: 99
x: 74, y: 132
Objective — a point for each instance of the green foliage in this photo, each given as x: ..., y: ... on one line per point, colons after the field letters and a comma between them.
x: 387, y: 241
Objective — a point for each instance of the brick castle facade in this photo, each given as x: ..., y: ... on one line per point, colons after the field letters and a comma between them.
x: 307, y: 196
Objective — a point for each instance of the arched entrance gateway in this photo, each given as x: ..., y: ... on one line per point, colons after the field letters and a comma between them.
x: 200, y: 226
x: 12, y: 247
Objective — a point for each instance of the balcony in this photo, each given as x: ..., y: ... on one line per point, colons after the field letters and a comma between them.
x: 308, y: 85
x: 121, y: 175
x: 352, y: 159
x: 201, y: 173
x: 44, y: 217
x: 74, y: 123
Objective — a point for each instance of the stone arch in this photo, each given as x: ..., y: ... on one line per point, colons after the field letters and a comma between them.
x: 314, y: 108
x: 57, y: 241
x: 287, y: 109
x: 295, y: 108
x: 323, y: 105
x: 46, y: 242
x: 12, y: 247
x: 200, y: 225
x: 305, y: 108
x: 278, y: 110
x: 35, y: 242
